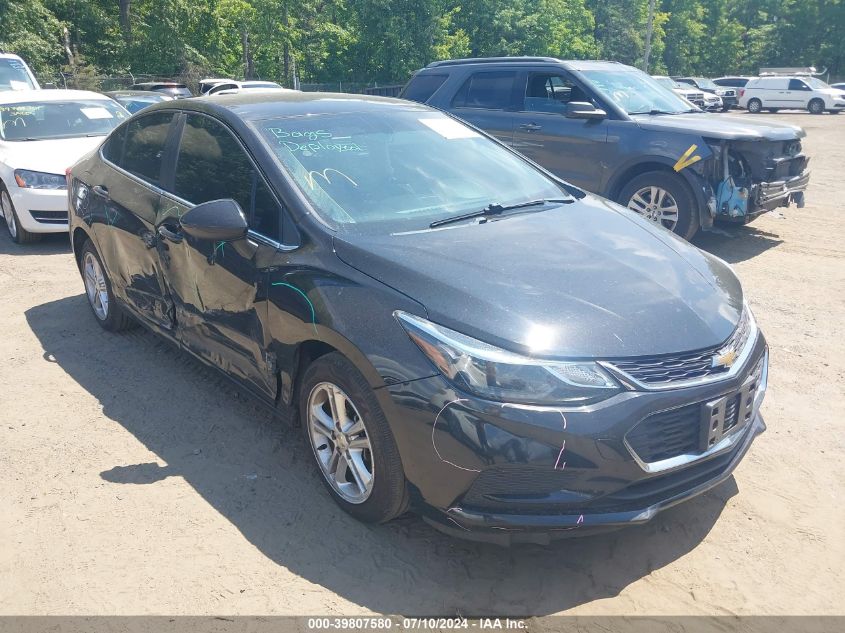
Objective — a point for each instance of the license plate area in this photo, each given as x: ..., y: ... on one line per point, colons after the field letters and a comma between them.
x: 727, y: 415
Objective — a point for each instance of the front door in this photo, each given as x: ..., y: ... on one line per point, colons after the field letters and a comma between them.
x: 219, y: 288
x: 573, y: 149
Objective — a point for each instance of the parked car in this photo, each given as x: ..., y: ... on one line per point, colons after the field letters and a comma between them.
x: 15, y: 74
x: 170, y: 88
x: 232, y: 87
x: 207, y: 84
x: 727, y: 95
x: 613, y: 130
x: 456, y: 331
x: 839, y: 86
x: 692, y: 95
x: 137, y: 100
x: 42, y: 133
x: 732, y: 81
x: 773, y: 93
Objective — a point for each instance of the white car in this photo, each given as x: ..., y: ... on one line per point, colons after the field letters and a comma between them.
x: 794, y: 92
x: 692, y: 95
x: 42, y: 133
x: 15, y: 74
x: 232, y: 87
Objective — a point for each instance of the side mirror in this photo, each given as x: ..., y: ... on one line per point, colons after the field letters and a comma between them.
x: 584, y: 110
x: 215, y: 220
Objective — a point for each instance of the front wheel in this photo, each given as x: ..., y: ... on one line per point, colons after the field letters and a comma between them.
x: 755, y: 106
x: 18, y: 234
x: 351, y: 441
x: 816, y: 106
x: 664, y: 199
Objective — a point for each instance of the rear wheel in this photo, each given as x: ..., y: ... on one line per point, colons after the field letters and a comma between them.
x: 351, y: 441
x: 98, y: 289
x: 755, y: 106
x: 664, y: 199
x: 18, y: 234
x: 816, y: 106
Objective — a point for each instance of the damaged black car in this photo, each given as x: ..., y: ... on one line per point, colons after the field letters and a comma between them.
x: 456, y: 331
x: 613, y: 130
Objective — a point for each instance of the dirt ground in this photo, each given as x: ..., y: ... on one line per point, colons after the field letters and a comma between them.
x: 134, y: 481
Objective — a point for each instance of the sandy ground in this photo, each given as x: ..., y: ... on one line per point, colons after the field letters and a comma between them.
x: 134, y: 481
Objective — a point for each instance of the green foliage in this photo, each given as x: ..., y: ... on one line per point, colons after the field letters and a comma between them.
x: 386, y: 40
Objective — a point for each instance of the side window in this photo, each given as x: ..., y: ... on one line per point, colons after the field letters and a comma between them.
x: 423, y: 86
x: 144, y: 146
x: 212, y: 165
x: 113, y: 147
x: 547, y: 92
x: 797, y: 84
x: 486, y: 90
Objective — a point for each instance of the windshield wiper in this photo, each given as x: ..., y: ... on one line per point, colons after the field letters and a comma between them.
x: 497, y: 209
x: 655, y: 111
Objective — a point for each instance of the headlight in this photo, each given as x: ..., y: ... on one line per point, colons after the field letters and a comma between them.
x: 39, y: 180
x: 496, y: 374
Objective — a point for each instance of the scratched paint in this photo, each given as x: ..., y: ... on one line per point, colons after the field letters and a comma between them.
x: 304, y: 296
x: 434, y: 444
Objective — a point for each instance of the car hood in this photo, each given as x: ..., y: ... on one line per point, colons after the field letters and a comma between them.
x: 721, y: 127
x: 53, y: 156
x: 584, y: 280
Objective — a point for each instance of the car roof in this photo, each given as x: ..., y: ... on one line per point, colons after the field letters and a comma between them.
x: 10, y: 56
x: 252, y: 106
x: 26, y: 96
x: 569, y: 64
x: 134, y: 93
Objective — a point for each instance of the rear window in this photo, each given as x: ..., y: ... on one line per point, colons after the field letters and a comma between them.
x: 423, y: 86
x: 487, y: 90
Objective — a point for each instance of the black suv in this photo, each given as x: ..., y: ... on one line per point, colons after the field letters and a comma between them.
x: 615, y: 131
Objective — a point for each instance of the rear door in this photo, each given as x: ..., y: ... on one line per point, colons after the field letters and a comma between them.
x: 219, y: 289
x: 124, y: 201
x: 798, y: 94
x: 487, y: 99
x: 574, y: 149
x: 773, y: 93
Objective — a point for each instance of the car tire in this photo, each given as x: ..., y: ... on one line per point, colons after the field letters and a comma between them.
x: 816, y: 106
x: 18, y: 234
x: 637, y: 196
x: 755, y: 106
x: 726, y: 108
x: 98, y: 290
x: 377, y: 455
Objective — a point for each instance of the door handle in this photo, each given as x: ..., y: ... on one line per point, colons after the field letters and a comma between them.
x: 531, y: 127
x: 101, y: 191
x: 169, y: 235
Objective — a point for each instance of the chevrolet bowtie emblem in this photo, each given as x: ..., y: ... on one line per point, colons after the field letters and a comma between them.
x: 725, y: 359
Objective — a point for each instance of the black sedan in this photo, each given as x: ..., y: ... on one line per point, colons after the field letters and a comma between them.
x: 456, y: 331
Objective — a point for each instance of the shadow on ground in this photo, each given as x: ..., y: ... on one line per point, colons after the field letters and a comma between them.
x: 258, y: 475
x: 736, y: 243
x: 49, y: 244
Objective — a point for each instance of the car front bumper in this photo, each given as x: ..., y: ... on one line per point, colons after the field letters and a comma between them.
x: 41, y: 210
x: 510, y: 473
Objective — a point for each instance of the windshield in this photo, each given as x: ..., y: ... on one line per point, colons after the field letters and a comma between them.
x: 706, y: 84
x: 816, y: 83
x: 38, y: 121
x: 13, y: 75
x: 635, y: 92
x: 668, y: 82
x: 399, y: 170
x: 265, y: 84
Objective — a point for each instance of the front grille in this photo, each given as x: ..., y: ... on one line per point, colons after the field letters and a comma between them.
x: 49, y: 217
x: 667, y: 434
x: 672, y: 368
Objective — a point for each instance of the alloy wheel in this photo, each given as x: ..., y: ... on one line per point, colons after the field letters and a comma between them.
x: 340, y: 442
x: 9, y: 215
x: 655, y: 204
x: 95, y: 286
